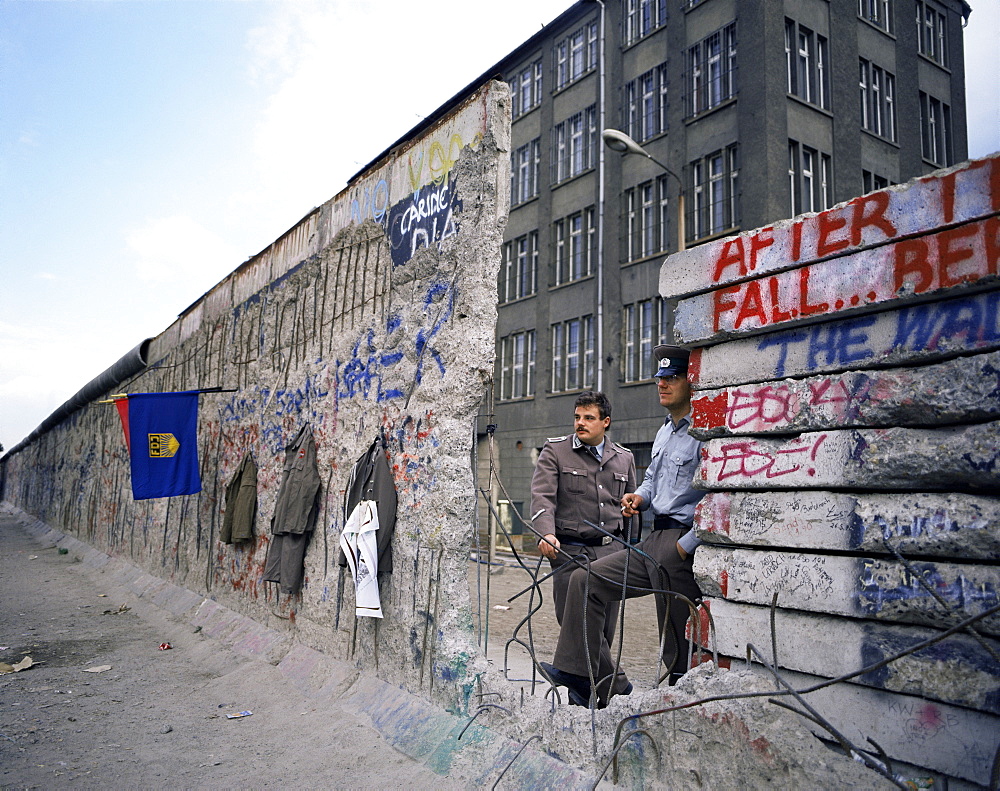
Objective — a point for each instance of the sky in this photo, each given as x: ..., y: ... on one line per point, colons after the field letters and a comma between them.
x: 149, y: 147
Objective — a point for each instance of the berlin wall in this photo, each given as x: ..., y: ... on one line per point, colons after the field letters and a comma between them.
x: 372, y: 317
x: 848, y: 394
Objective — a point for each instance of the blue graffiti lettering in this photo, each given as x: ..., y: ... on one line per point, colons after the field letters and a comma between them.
x: 373, y: 203
x: 878, y: 589
x: 971, y: 322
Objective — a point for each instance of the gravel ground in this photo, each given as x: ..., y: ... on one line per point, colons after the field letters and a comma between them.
x: 156, y: 719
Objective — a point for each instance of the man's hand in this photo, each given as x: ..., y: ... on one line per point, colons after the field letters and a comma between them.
x: 549, y: 546
x: 681, y: 552
x: 630, y: 504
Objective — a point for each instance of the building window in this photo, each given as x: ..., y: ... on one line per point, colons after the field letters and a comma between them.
x: 519, y: 268
x: 872, y: 181
x: 517, y: 365
x: 645, y: 211
x: 642, y: 17
x: 935, y: 130
x: 575, y: 247
x: 643, y: 325
x: 931, y: 36
x: 576, y: 54
x: 810, y: 182
x: 711, y: 71
x: 524, y: 172
x: 526, y: 89
x: 878, y: 12
x: 715, y: 192
x: 878, y: 100
x: 645, y: 107
x: 806, y: 64
x: 573, y: 354
x: 574, y: 144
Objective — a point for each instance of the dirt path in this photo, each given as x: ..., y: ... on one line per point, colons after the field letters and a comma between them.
x: 156, y: 719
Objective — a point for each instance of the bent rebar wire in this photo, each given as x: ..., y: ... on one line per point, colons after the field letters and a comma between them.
x: 614, y: 756
x: 479, y: 711
x: 516, y: 756
x: 841, y: 739
x: 829, y: 682
x: 949, y: 610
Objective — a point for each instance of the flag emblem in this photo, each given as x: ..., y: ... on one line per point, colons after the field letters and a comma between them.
x: 169, y: 421
x: 163, y: 446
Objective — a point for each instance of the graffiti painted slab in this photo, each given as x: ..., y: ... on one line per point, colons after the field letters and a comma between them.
x: 936, y: 736
x: 956, y: 670
x: 968, y: 191
x: 954, y: 258
x: 913, y: 524
x: 963, y: 389
x: 856, y: 587
x: 923, y: 333
x: 893, y: 458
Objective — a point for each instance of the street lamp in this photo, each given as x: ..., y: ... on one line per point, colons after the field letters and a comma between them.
x: 623, y: 144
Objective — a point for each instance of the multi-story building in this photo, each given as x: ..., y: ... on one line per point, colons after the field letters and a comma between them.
x: 757, y: 109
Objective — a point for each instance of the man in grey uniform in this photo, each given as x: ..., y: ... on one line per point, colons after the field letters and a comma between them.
x: 666, y: 562
x: 576, y: 504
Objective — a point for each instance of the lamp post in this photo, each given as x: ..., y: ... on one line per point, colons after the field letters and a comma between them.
x: 622, y: 143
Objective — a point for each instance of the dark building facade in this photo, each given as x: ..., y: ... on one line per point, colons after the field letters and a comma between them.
x: 760, y: 109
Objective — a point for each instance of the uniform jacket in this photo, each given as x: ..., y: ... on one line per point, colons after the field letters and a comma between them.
x: 241, y: 503
x: 297, y: 506
x: 570, y: 486
x: 371, y: 479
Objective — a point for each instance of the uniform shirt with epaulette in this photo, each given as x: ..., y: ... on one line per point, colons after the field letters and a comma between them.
x: 571, y: 487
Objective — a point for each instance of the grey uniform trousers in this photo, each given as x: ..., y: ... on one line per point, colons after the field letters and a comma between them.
x: 572, y: 655
x: 564, y: 567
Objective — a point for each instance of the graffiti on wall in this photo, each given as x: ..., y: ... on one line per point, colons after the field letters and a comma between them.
x: 964, y: 323
x: 910, y: 267
x: 425, y: 219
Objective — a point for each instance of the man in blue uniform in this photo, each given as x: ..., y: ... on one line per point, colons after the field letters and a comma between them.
x: 666, y: 558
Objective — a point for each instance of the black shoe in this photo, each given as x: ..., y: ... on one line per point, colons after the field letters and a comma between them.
x: 578, y: 686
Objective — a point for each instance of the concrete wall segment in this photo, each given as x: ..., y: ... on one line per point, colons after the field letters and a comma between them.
x: 957, y: 670
x: 961, y: 457
x: 960, y: 390
x: 863, y: 588
x: 964, y: 192
x: 910, y: 335
x: 357, y: 342
x: 954, y: 741
x: 958, y: 258
x: 945, y: 525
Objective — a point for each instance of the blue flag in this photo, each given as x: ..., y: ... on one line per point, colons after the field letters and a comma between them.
x: 163, y: 433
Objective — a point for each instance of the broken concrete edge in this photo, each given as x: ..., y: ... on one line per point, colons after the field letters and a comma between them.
x: 459, y: 747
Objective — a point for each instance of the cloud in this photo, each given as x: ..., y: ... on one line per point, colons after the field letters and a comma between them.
x: 179, y: 250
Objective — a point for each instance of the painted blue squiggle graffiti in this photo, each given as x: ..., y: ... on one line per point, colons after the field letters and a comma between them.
x: 363, y: 373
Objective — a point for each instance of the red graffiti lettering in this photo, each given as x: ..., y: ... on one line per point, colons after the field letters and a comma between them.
x: 745, y: 460
x: 860, y: 218
x: 829, y: 223
x: 766, y: 405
